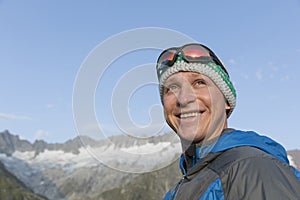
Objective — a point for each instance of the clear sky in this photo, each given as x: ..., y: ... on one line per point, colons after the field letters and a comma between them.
x: 43, y: 45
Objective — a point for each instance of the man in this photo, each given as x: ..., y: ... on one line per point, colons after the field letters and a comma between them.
x: 217, y: 162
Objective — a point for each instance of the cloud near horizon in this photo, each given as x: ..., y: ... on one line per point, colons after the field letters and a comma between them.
x: 40, y: 134
x: 8, y: 116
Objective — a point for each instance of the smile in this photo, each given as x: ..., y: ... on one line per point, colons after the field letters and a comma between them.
x: 190, y: 114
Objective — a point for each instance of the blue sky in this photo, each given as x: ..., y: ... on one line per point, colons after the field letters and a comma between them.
x: 43, y: 44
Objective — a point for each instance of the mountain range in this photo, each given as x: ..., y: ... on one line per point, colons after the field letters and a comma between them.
x: 119, y: 167
x: 12, y: 188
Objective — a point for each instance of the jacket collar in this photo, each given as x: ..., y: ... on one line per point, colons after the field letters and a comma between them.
x: 200, y: 156
x: 196, y: 152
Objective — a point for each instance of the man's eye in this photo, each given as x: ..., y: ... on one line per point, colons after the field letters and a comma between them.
x: 200, y: 82
x: 173, y: 87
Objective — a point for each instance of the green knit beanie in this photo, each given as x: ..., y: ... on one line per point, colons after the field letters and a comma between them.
x: 211, y: 70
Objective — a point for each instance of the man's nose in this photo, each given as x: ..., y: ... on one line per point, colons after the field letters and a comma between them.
x: 186, y: 95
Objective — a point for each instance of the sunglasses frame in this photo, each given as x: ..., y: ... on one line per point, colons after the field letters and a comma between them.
x: 180, y: 53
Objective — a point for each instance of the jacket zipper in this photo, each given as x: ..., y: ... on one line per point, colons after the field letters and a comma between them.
x: 178, y: 187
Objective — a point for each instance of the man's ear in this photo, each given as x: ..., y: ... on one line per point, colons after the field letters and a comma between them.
x: 227, y: 108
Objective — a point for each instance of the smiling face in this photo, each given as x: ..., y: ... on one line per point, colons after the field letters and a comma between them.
x: 194, y: 106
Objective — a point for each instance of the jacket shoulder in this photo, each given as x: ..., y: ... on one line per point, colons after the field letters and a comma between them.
x: 250, y: 173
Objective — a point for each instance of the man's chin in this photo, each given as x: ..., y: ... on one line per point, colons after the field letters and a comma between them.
x: 190, y: 139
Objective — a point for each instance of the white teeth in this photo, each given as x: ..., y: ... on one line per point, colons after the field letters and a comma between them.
x: 192, y: 114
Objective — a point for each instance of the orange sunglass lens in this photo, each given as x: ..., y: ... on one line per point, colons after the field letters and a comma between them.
x: 167, y: 56
x: 195, y: 51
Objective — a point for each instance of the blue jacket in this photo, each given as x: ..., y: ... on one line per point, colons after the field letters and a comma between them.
x: 239, y: 165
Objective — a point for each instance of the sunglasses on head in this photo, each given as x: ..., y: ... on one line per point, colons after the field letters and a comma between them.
x: 190, y: 53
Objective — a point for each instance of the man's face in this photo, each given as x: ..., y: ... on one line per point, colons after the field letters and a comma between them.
x: 194, y: 106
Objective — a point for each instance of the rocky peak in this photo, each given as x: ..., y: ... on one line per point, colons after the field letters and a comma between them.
x: 10, y: 143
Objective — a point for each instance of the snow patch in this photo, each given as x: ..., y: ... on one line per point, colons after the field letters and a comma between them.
x: 292, y: 162
x: 147, y: 148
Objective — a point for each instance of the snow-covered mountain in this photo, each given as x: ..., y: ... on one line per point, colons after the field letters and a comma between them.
x: 294, y: 158
x: 83, y: 168
x: 12, y: 188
